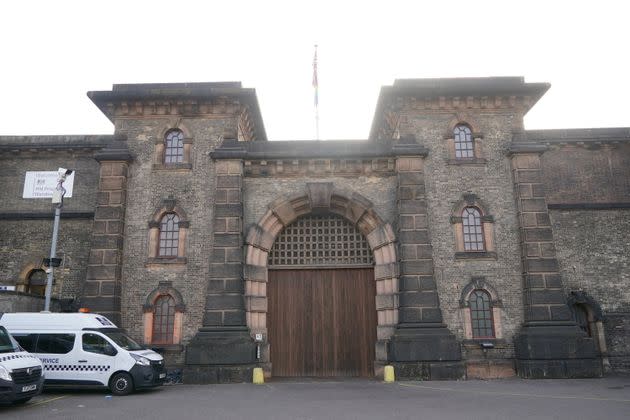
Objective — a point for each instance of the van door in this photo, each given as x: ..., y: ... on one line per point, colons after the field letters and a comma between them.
x: 56, y: 351
x: 96, y: 358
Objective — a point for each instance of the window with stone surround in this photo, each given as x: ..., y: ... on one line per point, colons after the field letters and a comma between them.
x: 163, y: 317
x: 473, y: 229
x: 464, y: 145
x: 168, y: 230
x: 163, y: 320
x: 481, y: 310
x: 172, y: 150
x: 463, y: 142
x: 169, y: 236
x: 174, y: 147
x: 481, y: 318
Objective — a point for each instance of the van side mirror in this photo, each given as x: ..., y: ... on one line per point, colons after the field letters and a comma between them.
x: 110, y: 351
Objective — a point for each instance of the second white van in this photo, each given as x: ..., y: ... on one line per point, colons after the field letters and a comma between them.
x: 87, y: 350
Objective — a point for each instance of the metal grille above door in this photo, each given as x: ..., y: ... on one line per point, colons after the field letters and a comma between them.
x: 320, y: 241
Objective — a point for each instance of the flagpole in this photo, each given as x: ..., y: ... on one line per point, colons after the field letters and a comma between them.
x: 316, y: 98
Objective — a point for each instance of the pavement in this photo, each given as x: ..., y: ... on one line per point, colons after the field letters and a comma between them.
x: 605, y: 398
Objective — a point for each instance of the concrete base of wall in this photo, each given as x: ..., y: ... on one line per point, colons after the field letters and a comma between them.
x: 220, y: 355
x: 422, y: 343
x: 217, y: 374
x: 429, y: 371
x: 556, y: 351
x: 556, y: 369
x: 426, y: 352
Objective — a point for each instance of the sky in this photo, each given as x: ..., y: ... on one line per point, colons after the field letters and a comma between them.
x: 56, y: 51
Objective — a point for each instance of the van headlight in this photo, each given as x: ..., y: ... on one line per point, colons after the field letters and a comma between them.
x: 140, y: 360
x: 4, y: 374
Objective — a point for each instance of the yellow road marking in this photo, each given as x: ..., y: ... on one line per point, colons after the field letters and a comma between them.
x: 46, y: 401
x: 513, y: 394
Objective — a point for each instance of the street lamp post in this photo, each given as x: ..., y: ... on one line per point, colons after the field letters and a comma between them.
x: 57, y: 199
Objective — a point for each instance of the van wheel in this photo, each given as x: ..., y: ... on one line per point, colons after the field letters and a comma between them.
x: 121, y: 384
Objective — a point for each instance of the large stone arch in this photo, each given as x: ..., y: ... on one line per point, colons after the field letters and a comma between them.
x: 322, y: 198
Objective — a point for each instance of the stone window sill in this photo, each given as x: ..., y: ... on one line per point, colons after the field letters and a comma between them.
x: 167, y: 261
x: 468, y: 161
x: 172, y: 166
x: 475, y: 342
x: 475, y: 255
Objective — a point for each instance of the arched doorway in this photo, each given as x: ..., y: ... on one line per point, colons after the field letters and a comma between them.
x: 321, y: 296
x: 321, y: 199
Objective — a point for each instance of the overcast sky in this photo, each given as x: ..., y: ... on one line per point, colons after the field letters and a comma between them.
x: 53, y: 52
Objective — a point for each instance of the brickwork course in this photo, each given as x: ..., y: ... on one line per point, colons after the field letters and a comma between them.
x: 554, y: 204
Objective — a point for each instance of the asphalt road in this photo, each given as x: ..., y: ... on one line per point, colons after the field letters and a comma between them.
x: 607, y: 398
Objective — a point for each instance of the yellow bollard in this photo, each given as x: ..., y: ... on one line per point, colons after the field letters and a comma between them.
x: 259, y: 378
x: 389, y: 374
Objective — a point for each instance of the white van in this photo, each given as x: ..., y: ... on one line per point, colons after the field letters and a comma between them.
x: 85, y: 349
x: 20, y: 372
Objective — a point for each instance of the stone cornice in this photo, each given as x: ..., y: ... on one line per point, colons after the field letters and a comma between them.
x: 517, y: 148
x: 183, y: 99
x: 587, y: 137
x: 315, y: 149
x: 345, y: 158
x: 319, y: 167
x: 46, y: 215
x: 496, y: 94
x: 38, y: 144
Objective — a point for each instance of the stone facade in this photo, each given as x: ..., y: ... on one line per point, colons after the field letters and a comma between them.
x: 27, y: 223
x: 552, y: 211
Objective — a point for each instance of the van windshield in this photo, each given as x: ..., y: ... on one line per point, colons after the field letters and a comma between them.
x: 123, y: 340
x: 7, y: 343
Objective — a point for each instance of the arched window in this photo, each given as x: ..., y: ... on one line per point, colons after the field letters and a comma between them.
x: 463, y: 142
x: 169, y: 235
x: 174, y: 147
x: 168, y: 230
x: 472, y: 229
x: 481, y: 318
x: 163, y: 320
x: 37, y: 282
x: 163, y: 317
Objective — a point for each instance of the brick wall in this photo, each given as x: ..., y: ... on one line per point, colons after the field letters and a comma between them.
x: 258, y: 193
x: 192, y: 190
x: 492, y: 183
x: 25, y: 242
x: 587, y: 173
x: 593, y: 250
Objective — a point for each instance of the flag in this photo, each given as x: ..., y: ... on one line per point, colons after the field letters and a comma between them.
x: 315, y: 84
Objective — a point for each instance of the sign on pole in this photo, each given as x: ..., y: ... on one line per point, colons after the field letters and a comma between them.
x: 41, y: 184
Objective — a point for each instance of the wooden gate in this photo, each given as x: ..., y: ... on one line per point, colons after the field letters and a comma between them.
x: 322, y: 322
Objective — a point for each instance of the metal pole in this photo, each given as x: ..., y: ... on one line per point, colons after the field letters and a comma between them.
x: 53, y: 252
x: 58, y: 200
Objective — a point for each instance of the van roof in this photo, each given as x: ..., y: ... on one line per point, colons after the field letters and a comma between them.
x: 53, y: 321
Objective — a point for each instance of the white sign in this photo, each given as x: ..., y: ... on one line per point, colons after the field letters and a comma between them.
x: 42, y: 184
x: 6, y: 288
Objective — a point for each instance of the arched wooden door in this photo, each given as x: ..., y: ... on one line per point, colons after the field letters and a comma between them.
x: 321, y: 295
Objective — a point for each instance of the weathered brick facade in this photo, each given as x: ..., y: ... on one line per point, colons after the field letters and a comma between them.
x: 553, y: 220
